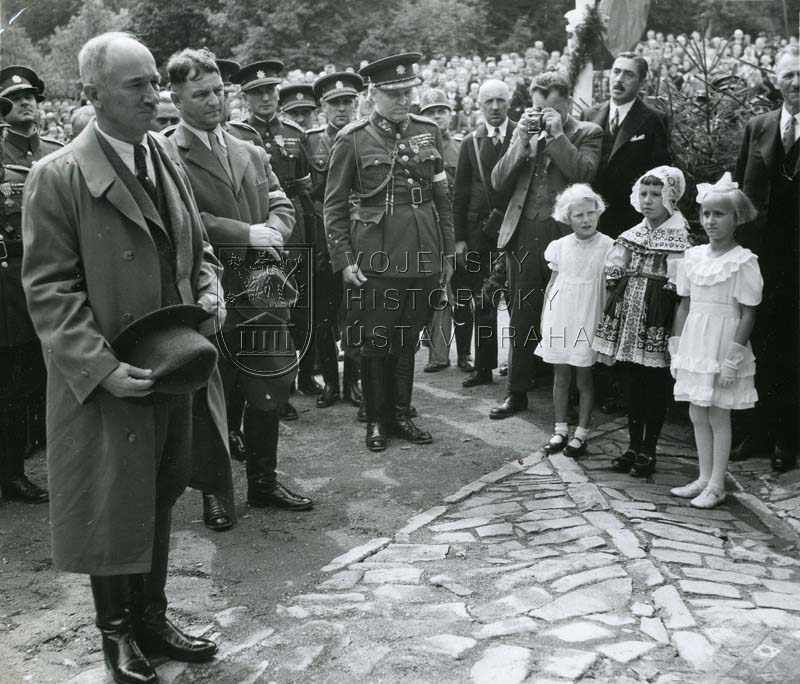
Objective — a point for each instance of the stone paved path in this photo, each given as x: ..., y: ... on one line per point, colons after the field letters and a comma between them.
x: 547, y: 570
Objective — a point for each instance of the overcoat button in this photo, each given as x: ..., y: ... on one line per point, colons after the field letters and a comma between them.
x: 128, y: 255
x: 131, y: 437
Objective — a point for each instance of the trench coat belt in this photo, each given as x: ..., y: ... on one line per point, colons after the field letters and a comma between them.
x: 415, y: 196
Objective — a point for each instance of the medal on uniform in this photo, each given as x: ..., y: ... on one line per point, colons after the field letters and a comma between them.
x: 413, y: 145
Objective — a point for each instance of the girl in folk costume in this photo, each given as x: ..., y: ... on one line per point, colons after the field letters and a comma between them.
x: 720, y: 286
x: 639, y: 315
x: 573, y: 304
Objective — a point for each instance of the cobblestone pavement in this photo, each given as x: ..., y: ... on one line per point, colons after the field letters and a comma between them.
x: 544, y: 570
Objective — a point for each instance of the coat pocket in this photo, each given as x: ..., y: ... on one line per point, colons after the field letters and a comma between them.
x: 367, y: 237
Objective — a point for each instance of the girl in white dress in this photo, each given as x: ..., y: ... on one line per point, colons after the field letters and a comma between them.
x: 573, y: 304
x: 720, y: 286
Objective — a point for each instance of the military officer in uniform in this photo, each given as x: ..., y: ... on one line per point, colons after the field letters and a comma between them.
x: 24, y: 147
x: 435, y: 105
x: 21, y: 365
x: 397, y: 249
x: 285, y: 143
x: 337, y: 93
x: 25, y: 89
x: 297, y: 102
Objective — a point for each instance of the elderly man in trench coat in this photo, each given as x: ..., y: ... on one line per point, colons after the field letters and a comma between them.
x: 111, y: 233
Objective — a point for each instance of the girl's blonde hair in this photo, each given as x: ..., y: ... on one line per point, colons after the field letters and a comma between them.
x: 575, y: 193
x: 726, y: 189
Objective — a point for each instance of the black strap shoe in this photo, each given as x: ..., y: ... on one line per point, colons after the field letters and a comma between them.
x: 214, y: 515
x: 329, y: 396
x: 166, y: 639
x: 513, y: 403
x: 644, y: 465
x: 236, y: 445
x: 277, y: 497
x: 478, y: 377
x: 287, y: 412
x: 22, y: 489
x: 375, y: 438
x: 404, y: 428
x: 576, y: 451
x: 623, y: 463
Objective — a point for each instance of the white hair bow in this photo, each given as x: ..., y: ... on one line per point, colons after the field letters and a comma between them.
x: 724, y: 184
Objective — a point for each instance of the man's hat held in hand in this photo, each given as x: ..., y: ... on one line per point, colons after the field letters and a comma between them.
x: 167, y: 342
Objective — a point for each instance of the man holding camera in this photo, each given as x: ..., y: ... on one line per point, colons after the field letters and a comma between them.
x: 549, y: 151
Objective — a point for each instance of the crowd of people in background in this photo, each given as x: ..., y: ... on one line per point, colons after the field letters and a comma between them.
x: 743, y: 59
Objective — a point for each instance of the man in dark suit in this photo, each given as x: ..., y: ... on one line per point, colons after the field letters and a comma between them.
x: 473, y: 201
x: 536, y: 167
x: 635, y: 140
x: 242, y: 205
x: 767, y: 170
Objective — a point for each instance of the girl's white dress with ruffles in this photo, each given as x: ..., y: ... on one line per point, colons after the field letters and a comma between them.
x: 716, y: 286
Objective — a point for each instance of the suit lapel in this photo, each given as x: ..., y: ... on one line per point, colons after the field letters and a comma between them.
x: 629, y: 126
x: 201, y: 156
x: 239, y: 161
x: 488, y: 155
x: 175, y: 198
x: 769, y: 138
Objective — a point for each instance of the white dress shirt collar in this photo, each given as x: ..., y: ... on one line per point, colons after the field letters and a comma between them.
x: 622, y: 109
x: 503, y: 129
x: 125, y: 152
x: 785, y: 117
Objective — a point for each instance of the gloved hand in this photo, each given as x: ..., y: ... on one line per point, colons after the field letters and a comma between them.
x: 730, y: 365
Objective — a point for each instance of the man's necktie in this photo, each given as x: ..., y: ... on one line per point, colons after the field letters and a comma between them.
x: 789, y: 136
x: 219, y: 153
x: 498, y: 141
x: 140, y: 164
x: 614, y: 124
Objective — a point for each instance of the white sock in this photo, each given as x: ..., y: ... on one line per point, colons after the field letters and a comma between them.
x: 561, y: 429
x: 582, y: 433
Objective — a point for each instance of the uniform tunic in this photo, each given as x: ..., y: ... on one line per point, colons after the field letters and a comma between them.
x: 25, y: 150
x: 402, y: 229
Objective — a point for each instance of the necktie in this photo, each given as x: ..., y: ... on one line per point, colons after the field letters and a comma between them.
x: 219, y: 153
x: 498, y: 141
x: 789, y: 137
x: 614, y: 124
x: 140, y: 164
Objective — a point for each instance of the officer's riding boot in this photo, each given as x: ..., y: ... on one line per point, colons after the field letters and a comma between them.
x: 261, y: 436
x: 403, y: 426
x: 122, y: 654
x: 350, y: 377
x: 326, y: 345
x: 155, y: 634
x: 13, y: 482
x: 373, y: 381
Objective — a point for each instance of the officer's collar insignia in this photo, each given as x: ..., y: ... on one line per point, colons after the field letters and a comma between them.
x: 400, y: 69
x: 260, y: 74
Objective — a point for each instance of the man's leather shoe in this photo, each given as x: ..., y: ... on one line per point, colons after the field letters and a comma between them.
x: 478, y: 377
x: 465, y: 363
x: 167, y: 640
x: 236, y: 445
x: 404, y: 428
x: 22, y: 489
x: 308, y: 385
x: 375, y: 438
x: 435, y: 367
x: 329, y: 396
x: 279, y: 497
x: 783, y: 458
x: 124, y: 658
x: 513, y: 403
x: 287, y: 412
x: 214, y: 515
